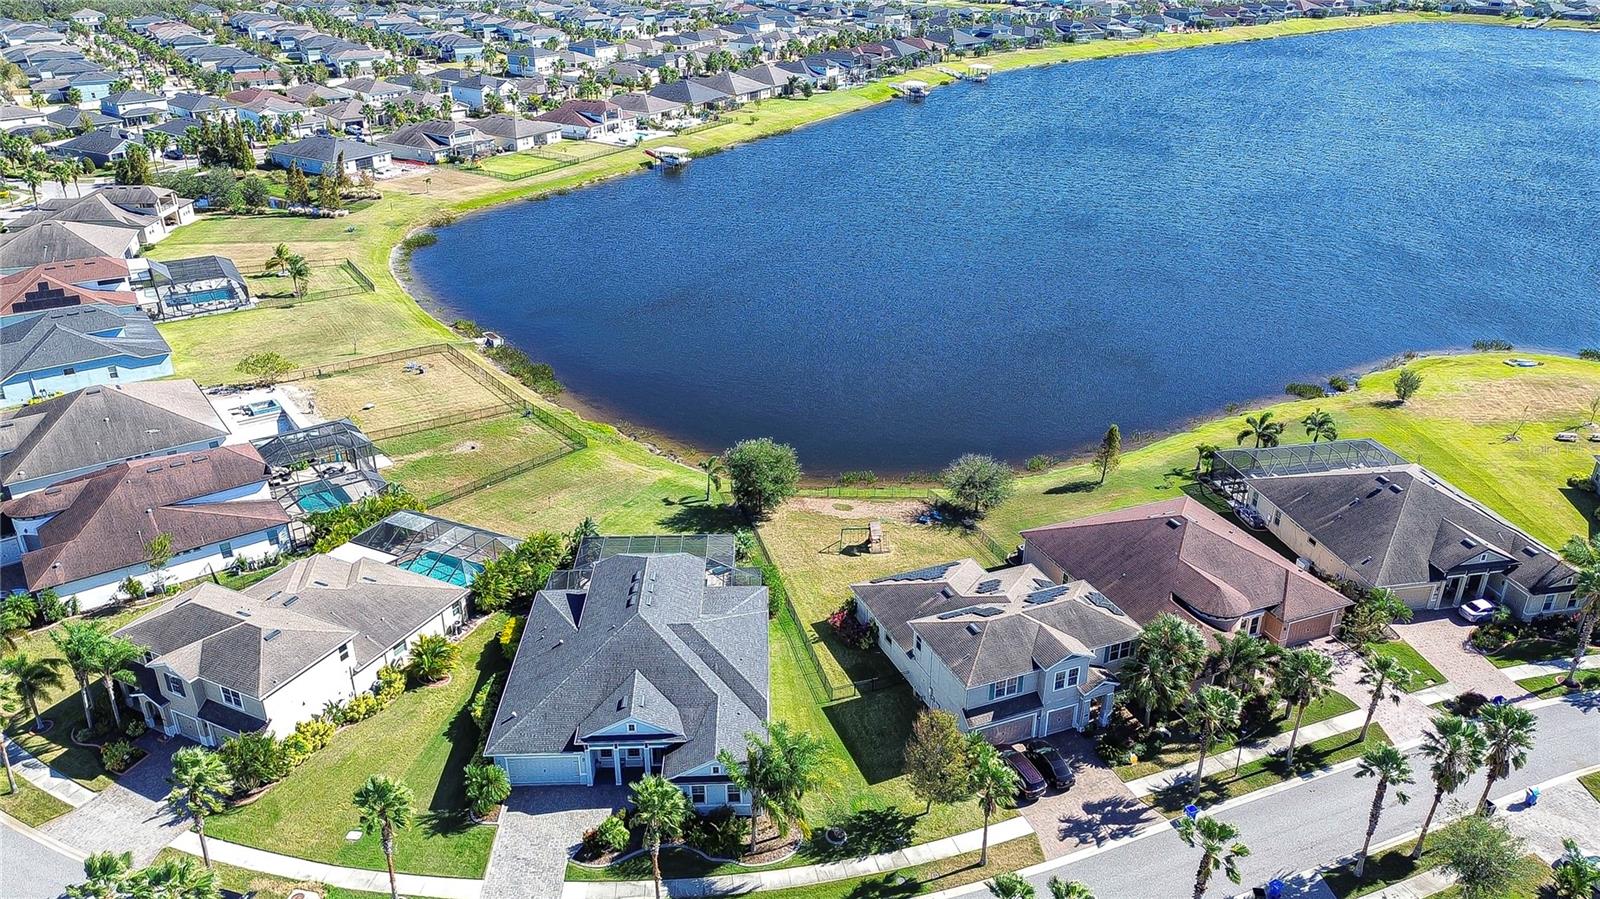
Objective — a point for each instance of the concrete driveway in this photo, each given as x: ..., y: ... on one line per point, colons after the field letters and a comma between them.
x: 1097, y: 809
x: 1441, y: 637
x: 1565, y: 810
x: 539, y: 827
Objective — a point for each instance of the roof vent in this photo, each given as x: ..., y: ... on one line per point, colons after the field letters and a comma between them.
x: 242, y: 613
x: 271, y: 635
x: 1382, y: 479
x: 1174, y: 523
x: 291, y: 601
x: 319, y: 583
x: 973, y: 629
x: 1395, y: 488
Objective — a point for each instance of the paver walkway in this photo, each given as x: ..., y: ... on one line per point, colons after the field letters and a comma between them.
x: 1442, y: 640
x: 128, y: 815
x: 332, y: 875
x: 46, y: 778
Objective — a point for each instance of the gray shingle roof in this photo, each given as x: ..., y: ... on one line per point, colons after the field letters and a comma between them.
x: 644, y: 619
x: 76, y: 336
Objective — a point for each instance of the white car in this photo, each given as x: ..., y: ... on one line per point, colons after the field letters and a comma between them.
x: 1476, y: 610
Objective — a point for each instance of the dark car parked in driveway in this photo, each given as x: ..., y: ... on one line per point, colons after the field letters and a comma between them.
x: 1031, y: 785
x: 1051, y: 763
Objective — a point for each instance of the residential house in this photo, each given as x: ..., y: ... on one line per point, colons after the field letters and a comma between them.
x: 102, y: 146
x: 692, y: 94
x: 54, y: 241
x: 51, y: 351
x: 1010, y: 654
x: 162, y: 203
x: 585, y: 119
x: 71, y: 118
x: 513, y: 133
x: 475, y: 90
x: 13, y: 117
x: 638, y: 663
x: 83, y: 537
x: 647, y: 108
x: 95, y: 209
x: 60, y: 285
x: 437, y: 140
x: 221, y: 662
x: 135, y: 107
x: 320, y: 153
x: 191, y: 105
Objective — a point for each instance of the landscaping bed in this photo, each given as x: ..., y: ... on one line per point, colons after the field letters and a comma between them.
x: 1184, y: 751
x: 1225, y: 784
x: 267, y: 886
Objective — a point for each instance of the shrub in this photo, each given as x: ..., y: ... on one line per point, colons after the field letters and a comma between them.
x: 1467, y: 704
x: 419, y: 240
x: 335, y: 527
x: 466, y: 327
x: 484, y: 702
x: 613, y: 833
x: 360, y: 707
x: 719, y: 833
x: 297, y: 748
x: 317, y: 732
x: 1581, y: 482
x: 857, y: 479
x: 1305, y: 391
x: 978, y: 483
x: 486, y: 787
x: 433, y: 657
x: 1040, y: 462
x: 332, y: 712
x: 117, y: 755
x: 391, y: 683
x: 1486, y: 346
x: 442, y: 219
x: 537, y: 375
x: 851, y: 630
x: 510, y: 636
x: 53, y: 608
x: 1406, y: 384
x: 132, y: 588
x: 1590, y: 354
x: 254, y: 760
x: 133, y: 728
x: 1340, y: 383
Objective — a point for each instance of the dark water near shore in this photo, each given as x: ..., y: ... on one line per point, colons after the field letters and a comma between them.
x: 1008, y: 267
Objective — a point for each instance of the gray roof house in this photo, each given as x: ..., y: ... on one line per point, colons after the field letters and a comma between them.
x: 220, y: 662
x: 437, y: 140
x: 103, y: 145
x: 54, y: 241
x: 1010, y: 653
x: 641, y: 662
x: 512, y: 133
x: 1359, y: 512
x: 56, y: 350
x: 318, y: 152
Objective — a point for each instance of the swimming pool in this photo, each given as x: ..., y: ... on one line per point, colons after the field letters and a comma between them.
x: 442, y: 567
x: 321, y: 500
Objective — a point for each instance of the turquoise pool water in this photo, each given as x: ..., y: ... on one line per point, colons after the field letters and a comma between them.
x: 322, y: 500
x: 442, y: 567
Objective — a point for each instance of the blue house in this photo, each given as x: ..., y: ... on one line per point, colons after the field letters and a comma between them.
x: 64, y: 349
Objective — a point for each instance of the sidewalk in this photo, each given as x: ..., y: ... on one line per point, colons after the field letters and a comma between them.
x: 48, y: 779
x: 806, y: 875
x: 1553, y: 666
x: 347, y: 878
x: 1155, y: 783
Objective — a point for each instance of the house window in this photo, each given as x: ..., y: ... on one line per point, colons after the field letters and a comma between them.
x: 455, y: 608
x: 1253, y: 626
x: 227, y: 550
x: 632, y: 728
x: 1119, y: 651
x: 734, y: 796
x: 69, y: 371
x: 175, y: 685
x: 111, y: 372
x: 1549, y: 604
x: 1313, y: 540
x: 1060, y: 681
x: 1011, y: 686
x: 1572, y: 601
x: 344, y: 653
x: 1072, y: 677
x: 697, y: 794
x: 916, y: 645
x: 231, y: 697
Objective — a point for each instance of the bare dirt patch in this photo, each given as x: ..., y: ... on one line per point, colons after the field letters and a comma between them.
x: 897, y: 510
x: 1524, y: 395
x: 469, y: 446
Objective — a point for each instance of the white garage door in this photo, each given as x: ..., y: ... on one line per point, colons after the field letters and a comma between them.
x: 1061, y: 719
x: 1008, y: 732
x: 564, y: 768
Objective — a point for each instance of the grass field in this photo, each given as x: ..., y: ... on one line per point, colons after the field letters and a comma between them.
x: 326, y: 278
x: 1423, y: 674
x: 1265, y: 772
x: 518, y: 165
x: 397, y: 396
x: 424, y: 739
x: 29, y: 804
x: 431, y: 462
x: 1186, y: 752
x: 1384, y: 869
x: 1536, y: 649
x: 267, y: 886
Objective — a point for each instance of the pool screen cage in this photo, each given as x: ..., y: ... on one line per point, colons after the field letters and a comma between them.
x: 320, y: 444
x: 1234, y: 465
x: 325, y: 494
x: 720, y: 551
x: 409, y: 536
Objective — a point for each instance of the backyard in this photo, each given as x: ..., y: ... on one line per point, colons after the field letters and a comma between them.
x: 424, y: 740
x: 399, y: 393
x: 434, y: 461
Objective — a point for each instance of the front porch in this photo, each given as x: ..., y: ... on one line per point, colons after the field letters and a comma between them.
x: 624, y: 763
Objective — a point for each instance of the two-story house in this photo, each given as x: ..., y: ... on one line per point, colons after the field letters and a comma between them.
x: 1010, y: 653
x: 222, y: 662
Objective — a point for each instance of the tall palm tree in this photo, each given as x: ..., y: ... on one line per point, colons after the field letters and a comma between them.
x: 1240, y: 661
x: 1457, y: 749
x: 33, y: 677
x: 79, y: 643
x: 1303, y: 676
x: 1212, y: 711
x: 111, y: 662
x: 299, y: 273
x: 33, y: 178
x: 8, y: 707
x: 662, y: 809
x: 385, y: 805
x: 1069, y: 889
x: 777, y: 771
x: 105, y: 876
x: 1391, y: 768
x: 1262, y: 428
x: 992, y: 780
x: 1319, y: 426
x: 1010, y: 886
x: 714, y: 470
x: 1583, y: 555
x: 279, y: 261
x: 1220, y: 849
x: 176, y: 878
x: 1168, y: 657
x: 1509, y: 731
x: 1388, y: 678
x: 200, y: 783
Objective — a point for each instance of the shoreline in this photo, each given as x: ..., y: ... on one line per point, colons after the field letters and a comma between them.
x: 876, y: 93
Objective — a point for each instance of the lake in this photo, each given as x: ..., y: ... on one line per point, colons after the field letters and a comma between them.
x: 1008, y: 267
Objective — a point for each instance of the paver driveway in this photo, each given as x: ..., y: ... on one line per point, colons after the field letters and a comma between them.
x: 539, y: 827
x: 1097, y: 809
x: 1442, y: 639
x: 128, y: 815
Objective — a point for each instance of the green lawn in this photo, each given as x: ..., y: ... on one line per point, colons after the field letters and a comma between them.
x: 1547, y: 686
x: 1225, y: 784
x: 424, y: 740
x: 1536, y: 649
x: 398, y: 396
x: 1387, y: 868
x: 1533, y: 877
x: 29, y: 804
x: 1591, y: 782
x: 1329, y: 705
x: 926, y: 878
x: 431, y: 462
x: 64, y: 708
x: 518, y: 165
x: 267, y: 886
x: 1424, y: 675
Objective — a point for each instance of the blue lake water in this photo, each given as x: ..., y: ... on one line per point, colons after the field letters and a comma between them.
x: 1008, y: 267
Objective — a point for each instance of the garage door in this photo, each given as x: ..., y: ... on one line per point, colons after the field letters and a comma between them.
x: 1061, y: 719
x: 565, y: 768
x: 1008, y: 732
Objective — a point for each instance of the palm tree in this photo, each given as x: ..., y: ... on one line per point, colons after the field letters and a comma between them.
x: 1213, y: 709
x: 662, y: 809
x: 714, y: 470
x: 200, y: 782
x: 1320, y: 426
x: 1509, y: 731
x: 1069, y: 889
x: 33, y: 178
x: 1303, y: 676
x: 385, y: 805
x: 8, y: 707
x: 1388, y: 678
x: 176, y: 878
x: 992, y: 780
x: 105, y: 875
x: 33, y: 678
x: 1390, y: 766
x: 777, y: 772
x: 1168, y: 657
x: 432, y: 658
x: 1457, y: 749
x: 1240, y: 661
x: 1261, y: 427
x: 1583, y: 555
x: 79, y: 643
x: 279, y: 261
x: 1219, y: 849
x: 111, y: 663
x: 299, y: 273
x: 1010, y: 886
